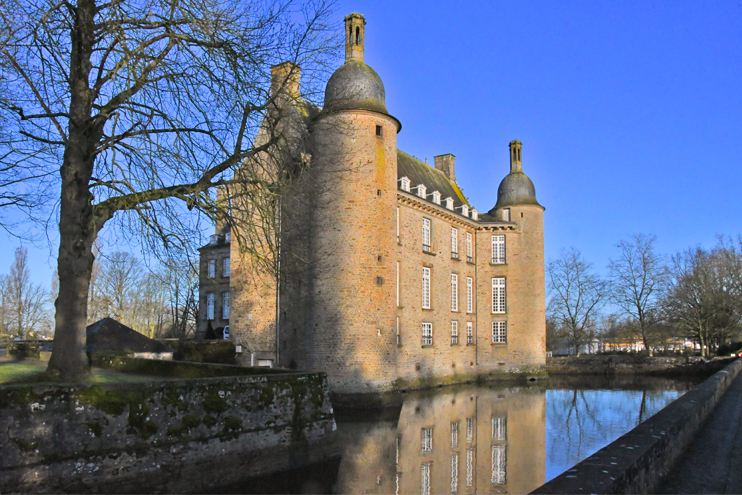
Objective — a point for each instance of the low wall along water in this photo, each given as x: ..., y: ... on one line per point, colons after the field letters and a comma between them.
x: 173, y: 436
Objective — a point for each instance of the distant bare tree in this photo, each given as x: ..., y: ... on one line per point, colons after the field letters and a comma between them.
x: 4, y: 308
x: 120, y: 277
x: 26, y: 300
x: 704, y: 300
x: 577, y: 294
x: 637, y: 277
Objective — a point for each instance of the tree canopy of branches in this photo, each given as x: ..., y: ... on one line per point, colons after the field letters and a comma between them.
x: 23, y: 304
x: 135, y: 111
x: 577, y: 294
x: 704, y: 299
x: 637, y: 277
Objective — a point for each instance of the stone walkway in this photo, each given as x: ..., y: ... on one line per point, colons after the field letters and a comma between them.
x: 713, y: 462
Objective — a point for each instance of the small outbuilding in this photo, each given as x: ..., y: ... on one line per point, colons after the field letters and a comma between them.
x: 109, y: 335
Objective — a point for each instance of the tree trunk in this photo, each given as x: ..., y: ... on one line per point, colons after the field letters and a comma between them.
x: 77, y: 229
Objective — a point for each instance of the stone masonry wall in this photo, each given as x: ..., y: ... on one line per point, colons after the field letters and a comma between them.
x: 174, y: 436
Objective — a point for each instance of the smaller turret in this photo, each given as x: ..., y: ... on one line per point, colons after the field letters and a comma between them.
x: 516, y: 188
x: 355, y: 26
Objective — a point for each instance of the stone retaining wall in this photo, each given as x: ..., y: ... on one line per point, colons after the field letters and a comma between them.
x: 640, y: 365
x: 637, y: 461
x: 173, y: 436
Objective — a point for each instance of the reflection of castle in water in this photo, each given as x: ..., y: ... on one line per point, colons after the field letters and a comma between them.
x: 468, y: 441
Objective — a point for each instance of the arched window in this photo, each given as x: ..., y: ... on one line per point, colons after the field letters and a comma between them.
x: 518, y: 154
x: 358, y: 36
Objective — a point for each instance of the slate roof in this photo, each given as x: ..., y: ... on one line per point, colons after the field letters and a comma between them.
x: 432, y: 178
x: 110, y: 335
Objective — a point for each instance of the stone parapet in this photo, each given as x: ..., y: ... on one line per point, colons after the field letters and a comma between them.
x: 637, y: 461
x: 173, y: 436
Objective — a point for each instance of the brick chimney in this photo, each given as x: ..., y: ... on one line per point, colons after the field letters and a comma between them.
x: 286, y: 77
x: 445, y: 163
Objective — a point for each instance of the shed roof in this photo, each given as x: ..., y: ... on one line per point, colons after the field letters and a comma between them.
x: 110, y: 335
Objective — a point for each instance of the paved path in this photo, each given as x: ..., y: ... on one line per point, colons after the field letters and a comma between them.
x: 713, y: 462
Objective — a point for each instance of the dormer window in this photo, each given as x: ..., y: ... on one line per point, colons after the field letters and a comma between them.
x: 227, y: 237
x: 422, y: 191
x: 474, y: 214
x: 213, y: 239
x: 464, y: 210
x: 404, y: 184
x: 436, y: 197
x: 449, y: 203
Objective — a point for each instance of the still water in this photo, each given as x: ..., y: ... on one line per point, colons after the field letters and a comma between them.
x: 476, y: 439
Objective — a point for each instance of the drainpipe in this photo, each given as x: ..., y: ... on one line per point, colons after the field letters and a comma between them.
x: 278, y: 281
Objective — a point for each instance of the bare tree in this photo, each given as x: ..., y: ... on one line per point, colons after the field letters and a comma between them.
x: 703, y: 300
x: 26, y: 300
x: 4, y: 308
x: 637, y: 278
x: 136, y: 111
x: 577, y: 294
x: 119, y: 280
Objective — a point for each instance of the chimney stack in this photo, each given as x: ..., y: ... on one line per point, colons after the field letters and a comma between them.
x: 285, y: 78
x: 445, y: 163
x: 355, y: 36
x: 515, y: 163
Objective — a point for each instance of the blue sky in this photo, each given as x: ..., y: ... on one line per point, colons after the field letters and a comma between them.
x: 630, y: 113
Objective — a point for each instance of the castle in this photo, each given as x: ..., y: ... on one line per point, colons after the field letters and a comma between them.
x: 388, y: 277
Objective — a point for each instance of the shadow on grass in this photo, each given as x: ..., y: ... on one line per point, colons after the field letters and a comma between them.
x: 30, y: 371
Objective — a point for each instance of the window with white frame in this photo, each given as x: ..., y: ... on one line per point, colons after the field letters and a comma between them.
x: 225, y: 305
x: 454, y: 473
x: 499, y: 429
x: 469, y: 248
x: 427, y: 440
x: 469, y: 295
x: 427, y: 334
x: 499, y: 465
x: 454, y: 332
x: 506, y: 214
x: 498, y: 295
x: 426, y: 288
x: 454, y: 292
x: 469, y: 467
x: 474, y: 214
x: 426, y: 235
x: 226, y: 267
x: 500, y: 332
x: 469, y: 332
x: 210, y: 306
x: 397, y: 224
x: 449, y: 203
x: 469, y: 430
x: 425, y: 479
x: 404, y: 184
x: 498, y: 249
x: 212, y: 269
x: 436, y: 197
x: 422, y: 191
x: 454, y: 243
x: 465, y: 210
x: 454, y: 434
x: 397, y: 283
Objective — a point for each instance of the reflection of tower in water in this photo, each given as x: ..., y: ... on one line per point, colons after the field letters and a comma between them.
x: 462, y: 442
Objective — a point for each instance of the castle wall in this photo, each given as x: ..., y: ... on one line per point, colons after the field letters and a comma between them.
x: 418, y: 362
x: 526, y: 312
x: 349, y: 330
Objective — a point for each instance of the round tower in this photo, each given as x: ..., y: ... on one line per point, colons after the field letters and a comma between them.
x: 526, y: 287
x: 354, y: 162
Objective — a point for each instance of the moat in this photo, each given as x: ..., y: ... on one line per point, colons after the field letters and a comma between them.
x: 475, y: 439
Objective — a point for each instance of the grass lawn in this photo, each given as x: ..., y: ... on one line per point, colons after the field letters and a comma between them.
x: 28, y: 371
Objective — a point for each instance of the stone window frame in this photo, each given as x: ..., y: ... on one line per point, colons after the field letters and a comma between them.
x: 226, y: 269
x: 454, y: 332
x: 211, y: 268
x: 209, y: 305
x: 498, y: 249
x: 454, y: 292
x: 500, y: 332
x: 426, y: 288
x: 427, y: 232
x: 225, y: 305
x: 427, y: 333
x: 499, y: 295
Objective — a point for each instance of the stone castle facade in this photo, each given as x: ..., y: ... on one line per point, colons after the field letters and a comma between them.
x: 388, y: 277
